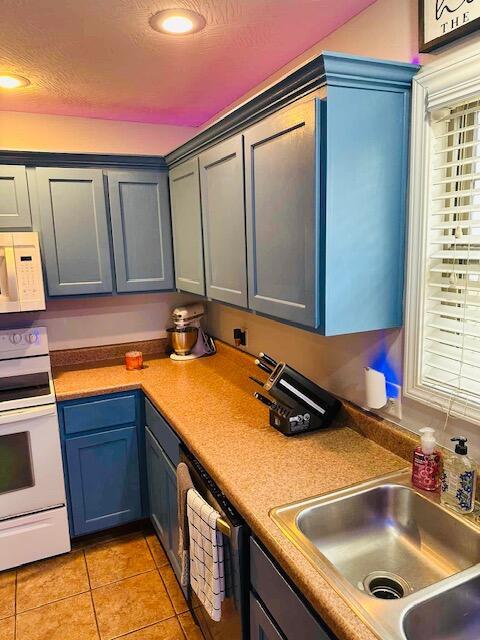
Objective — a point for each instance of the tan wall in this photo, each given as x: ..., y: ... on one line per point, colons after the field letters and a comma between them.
x: 90, y: 321
x: 69, y: 134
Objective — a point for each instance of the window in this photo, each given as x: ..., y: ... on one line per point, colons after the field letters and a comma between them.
x: 442, y: 356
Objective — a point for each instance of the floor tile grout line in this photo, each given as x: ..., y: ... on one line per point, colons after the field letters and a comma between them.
x: 166, y: 590
x: 163, y: 581
x: 181, y: 627
x: 134, y: 575
x: 15, y: 607
x: 86, y: 569
x: 71, y: 595
x: 91, y: 595
x: 90, y: 588
x: 153, y: 557
x: 147, y: 626
x: 95, y: 615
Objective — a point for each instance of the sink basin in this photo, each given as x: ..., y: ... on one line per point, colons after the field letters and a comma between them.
x: 390, y: 550
x: 390, y: 529
x: 451, y: 615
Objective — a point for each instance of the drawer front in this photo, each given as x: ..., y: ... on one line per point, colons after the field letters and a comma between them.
x: 99, y: 413
x: 285, y: 606
x: 261, y: 626
x: 163, y: 432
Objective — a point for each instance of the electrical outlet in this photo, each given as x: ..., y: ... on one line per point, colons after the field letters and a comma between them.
x: 240, y: 338
x: 394, y: 405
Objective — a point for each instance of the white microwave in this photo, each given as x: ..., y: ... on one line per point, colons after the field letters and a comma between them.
x: 21, y: 280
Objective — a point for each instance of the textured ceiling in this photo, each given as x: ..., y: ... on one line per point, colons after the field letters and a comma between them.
x: 100, y: 58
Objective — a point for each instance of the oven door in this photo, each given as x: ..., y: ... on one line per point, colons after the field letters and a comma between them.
x: 25, y: 382
x: 31, y: 471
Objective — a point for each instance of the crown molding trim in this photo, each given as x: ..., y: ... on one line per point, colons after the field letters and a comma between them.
x: 48, y: 159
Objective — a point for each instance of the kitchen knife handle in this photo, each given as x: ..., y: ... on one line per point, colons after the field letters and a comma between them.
x: 263, y: 367
x: 259, y: 382
x: 264, y: 400
x: 267, y: 359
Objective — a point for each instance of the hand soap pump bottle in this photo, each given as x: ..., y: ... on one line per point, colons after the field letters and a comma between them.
x: 426, y: 462
x: 458, y: 481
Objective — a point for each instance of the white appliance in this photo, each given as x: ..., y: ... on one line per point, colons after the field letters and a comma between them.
x: 21, y: 280
x: 189, y: 317
x: 33, y: 514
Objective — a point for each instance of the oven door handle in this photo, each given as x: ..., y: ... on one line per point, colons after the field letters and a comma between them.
x: 26, y: 414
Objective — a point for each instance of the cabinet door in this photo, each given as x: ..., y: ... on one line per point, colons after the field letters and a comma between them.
x: 14, y: 201
x: 162, y: 488
x: 261, y: 626
x: 104, y: 479
x: 282, y: 184
x: 187, y: 227
x: 142, y: 235
x: 73, y: 220
x: 223, y: 211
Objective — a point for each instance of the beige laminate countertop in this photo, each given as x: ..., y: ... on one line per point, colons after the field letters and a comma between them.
x: 210, y: 405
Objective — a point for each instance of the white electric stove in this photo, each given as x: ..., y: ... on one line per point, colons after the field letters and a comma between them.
x: 33, y: 513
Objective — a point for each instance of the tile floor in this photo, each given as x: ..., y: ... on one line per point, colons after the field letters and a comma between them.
x: 108, y: 587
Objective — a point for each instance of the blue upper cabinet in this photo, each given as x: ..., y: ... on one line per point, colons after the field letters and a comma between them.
x: 14, y: 201
x: 325, y: 174
x: 73, y: 221
x: 187, y: 227
x: 362, y: 239
x: 282, y: 169
x: 142, y: 236
x: 223, y: 210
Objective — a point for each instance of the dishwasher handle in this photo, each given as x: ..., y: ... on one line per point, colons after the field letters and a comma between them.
x: 224, y: 527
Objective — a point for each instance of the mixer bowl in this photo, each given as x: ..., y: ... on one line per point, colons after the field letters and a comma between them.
x: 183, y: 340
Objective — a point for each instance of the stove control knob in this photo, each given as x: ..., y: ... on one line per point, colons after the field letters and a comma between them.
x: 31, y: 338
x: 16, y: 338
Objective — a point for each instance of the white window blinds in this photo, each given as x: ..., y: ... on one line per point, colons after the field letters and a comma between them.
x: 450, y: 344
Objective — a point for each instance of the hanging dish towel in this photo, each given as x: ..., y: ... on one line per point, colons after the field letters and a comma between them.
x: 184, y: 483
x: 206, y: 554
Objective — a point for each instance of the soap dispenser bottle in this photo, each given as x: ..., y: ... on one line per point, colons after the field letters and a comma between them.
x: 426, y: 462
x: 458, y: 480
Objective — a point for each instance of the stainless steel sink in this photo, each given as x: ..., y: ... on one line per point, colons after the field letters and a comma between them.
x: 451, y: 615
x: 387, y: 547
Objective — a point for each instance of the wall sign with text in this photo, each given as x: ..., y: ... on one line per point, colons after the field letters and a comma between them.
x: 442, y: 21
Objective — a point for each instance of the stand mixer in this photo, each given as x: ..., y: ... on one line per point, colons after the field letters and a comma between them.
x: 187, y: 338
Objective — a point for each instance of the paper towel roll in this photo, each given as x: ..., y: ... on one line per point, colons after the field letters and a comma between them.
x: 375, y: 388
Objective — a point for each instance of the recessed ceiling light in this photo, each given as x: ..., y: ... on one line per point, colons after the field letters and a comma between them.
x: 177, y: 21
x: 13, y: 82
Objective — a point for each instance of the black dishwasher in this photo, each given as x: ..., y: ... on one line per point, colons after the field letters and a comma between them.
x: 234, y: 623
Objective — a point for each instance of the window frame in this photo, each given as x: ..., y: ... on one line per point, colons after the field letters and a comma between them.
x: 450, y: 80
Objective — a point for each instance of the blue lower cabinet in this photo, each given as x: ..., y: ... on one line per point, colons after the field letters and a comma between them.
x: 162, y: 488
x: 262, y: 626
x: 104, y: 479
x: 277, y: 611
x: 104, y: 461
